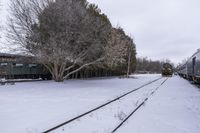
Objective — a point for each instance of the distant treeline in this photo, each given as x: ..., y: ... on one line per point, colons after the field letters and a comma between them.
x: 145, y: 65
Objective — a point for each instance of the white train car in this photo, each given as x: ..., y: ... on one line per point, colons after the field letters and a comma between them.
x: 191, y: 69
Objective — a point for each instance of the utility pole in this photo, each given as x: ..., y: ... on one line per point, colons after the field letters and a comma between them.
x: 129, y: 62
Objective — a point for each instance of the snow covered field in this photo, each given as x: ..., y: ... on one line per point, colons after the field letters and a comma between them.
x: 33, y: 107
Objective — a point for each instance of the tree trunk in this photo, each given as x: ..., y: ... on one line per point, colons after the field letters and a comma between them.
x: 58, y: 73
x: 76, y: 75
x: 58, y: 77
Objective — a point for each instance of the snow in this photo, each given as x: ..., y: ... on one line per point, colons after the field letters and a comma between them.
x: 105, y: 119
x: 37, y: 106
x: 33, y: 107
x: 175, y: 108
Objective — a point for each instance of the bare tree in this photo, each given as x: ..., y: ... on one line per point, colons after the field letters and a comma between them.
x: 61, y: 34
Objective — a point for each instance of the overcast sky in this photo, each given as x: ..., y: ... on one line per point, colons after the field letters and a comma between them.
x: 161, y: 29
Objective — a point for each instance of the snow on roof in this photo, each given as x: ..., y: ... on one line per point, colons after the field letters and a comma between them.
x: 8, y: 55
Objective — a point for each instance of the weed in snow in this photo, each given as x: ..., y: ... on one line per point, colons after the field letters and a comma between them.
x: 121, y: 115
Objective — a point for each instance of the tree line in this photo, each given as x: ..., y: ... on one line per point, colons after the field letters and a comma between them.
x: 70, y: 37
x: 145, y: 65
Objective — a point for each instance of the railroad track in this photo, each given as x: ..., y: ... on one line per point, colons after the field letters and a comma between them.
x: 137, y: 108
x: 103, y: 105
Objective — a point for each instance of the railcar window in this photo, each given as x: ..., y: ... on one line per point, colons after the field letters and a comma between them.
x: 3, y: 64
x: 18, y: 65
x: 32, y: 65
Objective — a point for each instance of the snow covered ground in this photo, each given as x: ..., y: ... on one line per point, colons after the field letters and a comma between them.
x: 37, y: 106
x: 106, y: 119
x: 33, y: 107
x: 175, y: 108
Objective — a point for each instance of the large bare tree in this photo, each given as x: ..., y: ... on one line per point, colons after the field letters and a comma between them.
x: 61, y: 34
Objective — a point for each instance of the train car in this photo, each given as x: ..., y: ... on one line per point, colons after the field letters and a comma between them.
x: 21, y: 67
x: 182, y: 71
x: 167, y: 69
x: 191, y: 69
